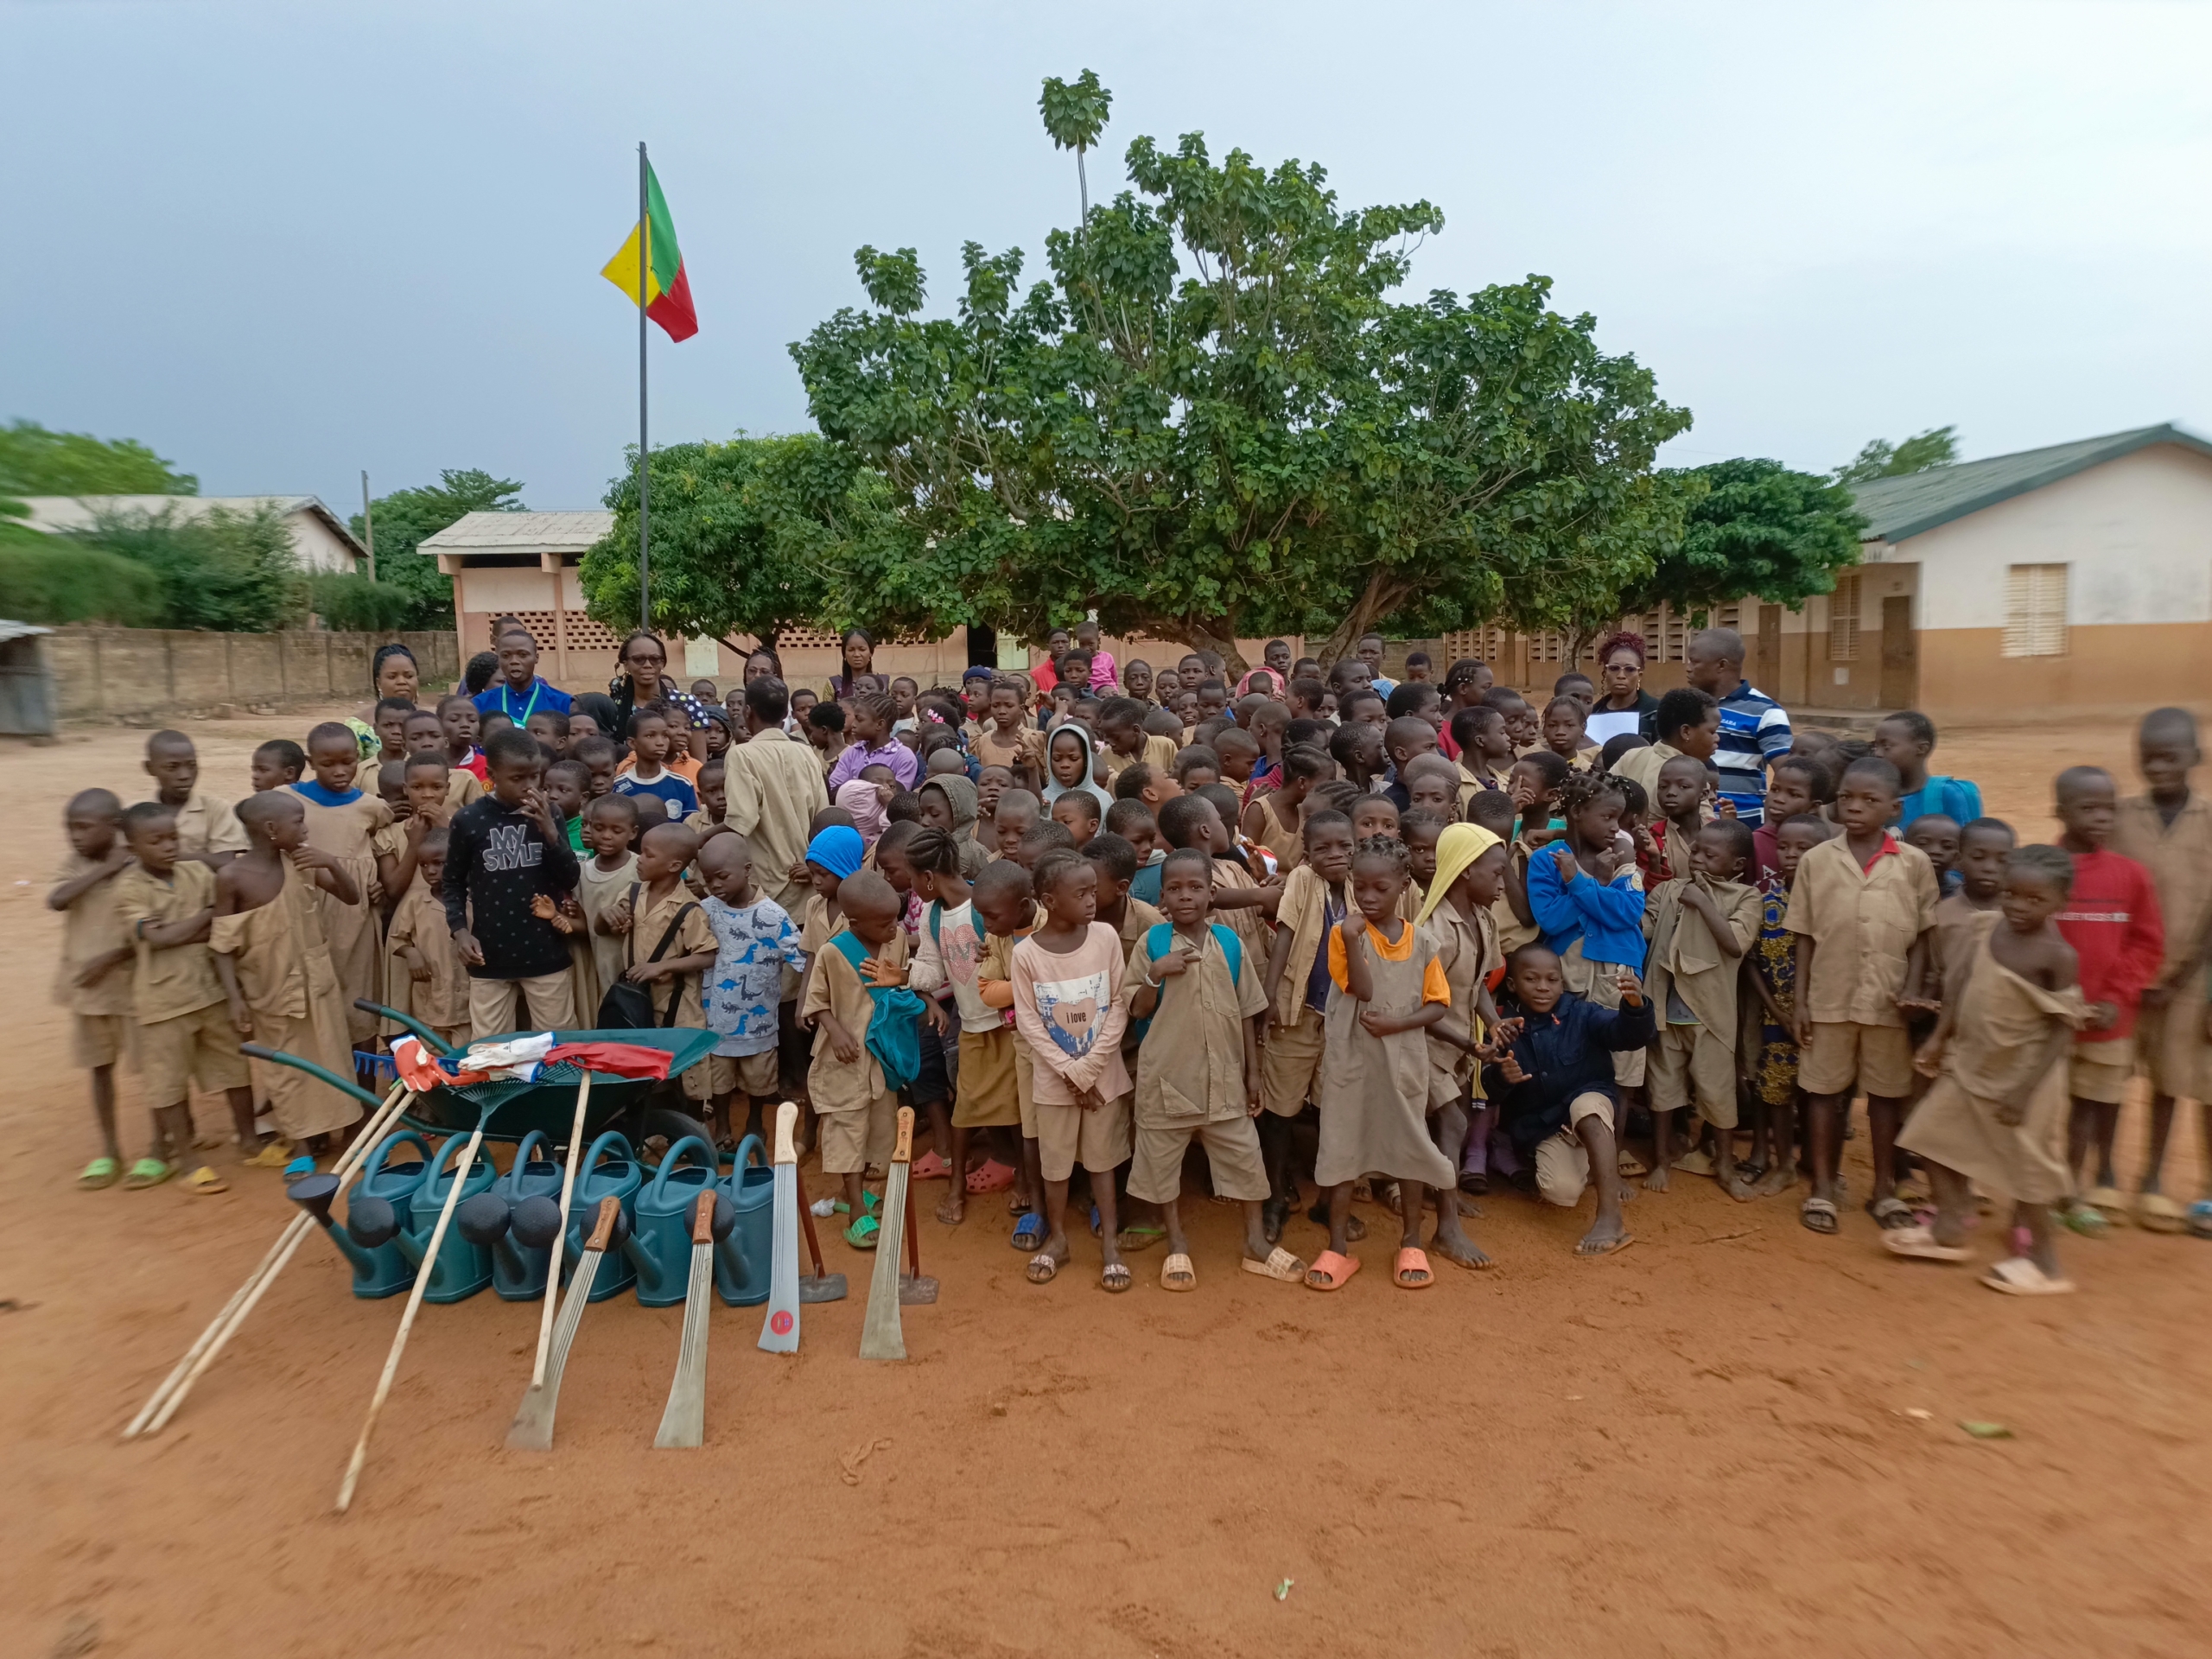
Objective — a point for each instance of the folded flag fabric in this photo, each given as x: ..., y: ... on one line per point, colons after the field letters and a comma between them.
x: 615, y: 1059
x: 667, y: 298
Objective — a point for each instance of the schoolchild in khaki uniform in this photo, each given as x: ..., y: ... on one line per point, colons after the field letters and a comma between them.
x: 1002, y: 899
x: 854, y: 1105
x: 95, y: 948
x: 426, y: 978
x: 1314, y: 900
x: 165, y: 906
x: 1469, y: 871
x: 207, y: 826
x: 660, y: 907
x: 343, y: 821
x: 1699, y: 924
x: 1862, y: 907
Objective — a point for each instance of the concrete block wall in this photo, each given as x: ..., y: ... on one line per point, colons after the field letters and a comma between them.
x: 137, y: 674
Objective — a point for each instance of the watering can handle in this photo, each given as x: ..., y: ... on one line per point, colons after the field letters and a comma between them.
x: 522, y: 1153
x: 375, y: 1164
x: 612, y: 1138
x: 751, y: 1142
x: 668, y: 1162
x: 454, y: 1142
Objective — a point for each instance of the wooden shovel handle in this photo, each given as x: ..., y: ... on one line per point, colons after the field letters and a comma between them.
x: 904, y: 1152
x: 702, y: 1219
x: 609, y: 1210
x: 786, y: 1126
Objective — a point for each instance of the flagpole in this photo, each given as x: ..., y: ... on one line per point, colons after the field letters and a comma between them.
x: 644, y: 558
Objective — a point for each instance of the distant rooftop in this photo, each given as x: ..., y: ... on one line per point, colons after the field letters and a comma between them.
x: 520, y: 532
x: 1918, y: 502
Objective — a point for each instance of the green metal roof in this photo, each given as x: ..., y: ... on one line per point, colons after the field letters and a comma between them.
x: 1917, y: 502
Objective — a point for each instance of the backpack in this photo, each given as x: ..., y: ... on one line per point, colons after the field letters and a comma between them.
x: 894, y: 1033
x: 1160, y: 939
x: 627, y: 1005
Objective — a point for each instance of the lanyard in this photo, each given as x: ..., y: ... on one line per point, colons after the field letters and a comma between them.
x: 507, y: 706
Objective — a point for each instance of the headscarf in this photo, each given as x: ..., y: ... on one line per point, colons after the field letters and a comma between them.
x: 859, y: 797
x: 1460, y: 845
x: 1054, y: 788
x: 838, y: 849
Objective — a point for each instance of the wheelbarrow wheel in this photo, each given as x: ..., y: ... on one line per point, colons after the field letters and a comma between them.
x: 666, y: 1121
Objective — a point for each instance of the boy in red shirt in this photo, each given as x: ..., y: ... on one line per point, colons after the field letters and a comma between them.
x: 2111, y: 919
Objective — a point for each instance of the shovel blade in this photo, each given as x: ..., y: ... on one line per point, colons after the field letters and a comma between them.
x: 822, y: 1287
x: 916, y: 1290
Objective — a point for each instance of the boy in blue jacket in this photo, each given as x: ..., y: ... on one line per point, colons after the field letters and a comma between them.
x: 1554, y: 1084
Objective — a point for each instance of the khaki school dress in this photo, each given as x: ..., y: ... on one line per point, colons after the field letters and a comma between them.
x: 1373, y: 1091
x: 442, y: 1001
x: 1997, y: 1054
x: 348, y: 833
x: 1467, y: 950
x: 286, y: 976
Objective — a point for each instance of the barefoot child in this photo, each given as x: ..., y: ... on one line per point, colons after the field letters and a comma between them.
x: 948, y: 947
x: 1005, y: 1088
x: 1199, y: 1069
x: 1468, y: 869
x: 1992, y: 1115
x: 1389, y: 989
x: 165, y: 906
x: 1067, y: 977
x: 343, y: 821
x: 1699, y: 924
x: 1555, y: 1089
x: 278, y: 974
x: 95, y: 948
x: 1584, y: 895
x: 754, y: 941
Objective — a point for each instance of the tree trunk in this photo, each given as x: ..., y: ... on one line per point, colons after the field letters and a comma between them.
x: 1214, y: 633
x: 1379, y: 598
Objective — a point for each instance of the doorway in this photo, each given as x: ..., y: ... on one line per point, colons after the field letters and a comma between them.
x: 1900, y: 654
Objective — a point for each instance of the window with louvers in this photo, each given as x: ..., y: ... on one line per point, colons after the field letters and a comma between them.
x: 1843, y: 620
x: 2035, y: 610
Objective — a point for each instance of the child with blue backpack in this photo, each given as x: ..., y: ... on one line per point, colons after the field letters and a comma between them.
x: 1199, y: 1002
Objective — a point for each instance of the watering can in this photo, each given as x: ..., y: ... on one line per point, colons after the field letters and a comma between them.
x: 659, y: 1245
x: 463, y: 1266
x: 368, y: 1240
x: 741, y: 1260
x: 518, y: 1265
x: 618, y: 1178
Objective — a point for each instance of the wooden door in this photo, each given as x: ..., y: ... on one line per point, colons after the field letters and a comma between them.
x: 1766, y: 651
x: 1900, y: 655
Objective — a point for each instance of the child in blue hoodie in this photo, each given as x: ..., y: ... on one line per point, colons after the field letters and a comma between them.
x: 1553, y: 1086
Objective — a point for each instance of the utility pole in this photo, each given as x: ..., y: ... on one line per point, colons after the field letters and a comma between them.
x: 368, y: 525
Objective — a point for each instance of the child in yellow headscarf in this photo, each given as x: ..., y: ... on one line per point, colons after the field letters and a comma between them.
x: 1470, y: 869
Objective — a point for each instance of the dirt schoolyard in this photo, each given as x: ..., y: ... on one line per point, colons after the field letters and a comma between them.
x: 1736, y: 1438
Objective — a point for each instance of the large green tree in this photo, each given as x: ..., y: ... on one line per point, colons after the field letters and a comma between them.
x: 1752, y: 527
x: 418, y: 595
x: 35, y: 461
x: 1938, y: 447
x: 1213, y: 421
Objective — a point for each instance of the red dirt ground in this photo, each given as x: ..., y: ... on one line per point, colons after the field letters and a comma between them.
x: 1737, y: 1437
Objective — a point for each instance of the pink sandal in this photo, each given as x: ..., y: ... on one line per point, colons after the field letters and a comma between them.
x: 928, y: 1167
x: 992, y: 1176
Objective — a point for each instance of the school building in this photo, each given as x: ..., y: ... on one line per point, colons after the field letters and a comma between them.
x: 2068, y: 580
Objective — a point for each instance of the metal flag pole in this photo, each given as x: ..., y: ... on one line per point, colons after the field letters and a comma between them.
x: 644, y: 558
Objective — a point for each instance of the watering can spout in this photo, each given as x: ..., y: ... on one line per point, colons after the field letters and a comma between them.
x: 314, y: 1193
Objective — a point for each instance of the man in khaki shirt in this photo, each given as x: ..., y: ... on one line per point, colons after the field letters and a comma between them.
x: 774, y: 787
x: 2169, y: 832
x: 1861, y: 908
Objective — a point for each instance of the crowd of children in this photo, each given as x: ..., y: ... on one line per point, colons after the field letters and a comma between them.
x: 1408, y: 941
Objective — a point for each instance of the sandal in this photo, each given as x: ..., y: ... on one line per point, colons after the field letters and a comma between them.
x: 1411, y: 1270
x: 931, y: 1167
x: 1281, y: 1266
x: 2157, y: 1213
x: 205, y: 1182
x: 147, y: 1172
x: 1474, y: 1183
x: 2079, y: 1217
x: 274, y: 1156
x: 1817, y: 1215
x: 1042, y: 1268
x: 1141, y: 1237
x: 1114, y: 1276
x: 1330, y: 1271
x: 1029, y: 1232
x: 1920, y: 1245
x: 100, y: 1172
x: 1176, y: 1273
x: 299, y: 1169
x: 870, y: 1201
x: 2018, y: 1276
x: 2200, y: 1218
x: 862, y: 1234
x: 990, y: 1176
x: 1890, y: 1213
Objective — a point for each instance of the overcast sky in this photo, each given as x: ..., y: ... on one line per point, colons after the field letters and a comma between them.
x: 282, y: 242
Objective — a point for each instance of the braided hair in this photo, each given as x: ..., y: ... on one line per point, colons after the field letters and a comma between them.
x: 933, y: 852
x: 1388, y: 849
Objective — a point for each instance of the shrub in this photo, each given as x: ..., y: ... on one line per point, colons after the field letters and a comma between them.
x: 225, y: 571
x: 53, y: 580
x: 353, y: 604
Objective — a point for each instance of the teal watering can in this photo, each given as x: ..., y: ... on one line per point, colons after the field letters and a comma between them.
x: 463, y: 1266
x: 368, y: 1241
x: 519, y: 1267
x: 618, y: 1178
x: 659, y: 1245
x: 741, y: 1260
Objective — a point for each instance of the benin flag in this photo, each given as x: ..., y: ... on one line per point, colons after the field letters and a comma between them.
x: 667, y: 297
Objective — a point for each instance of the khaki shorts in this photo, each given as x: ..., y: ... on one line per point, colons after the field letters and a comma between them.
x: 550, y: 999
x: 2170, y: 1043
x: 2101, y: 1072
x: 1068, y: 1135
x: 200, y: 1047
x: 757, y: 1075
x: 1878, y: 1060
x: 1562, y: 1161
x: 1691, y: 1066
x: 1232, y: 1147
x: 850, y: 1141
x: 1290, y: 1060
x: 1025, y: 1087
x: 986, y: 1093
x: 98, y: 1039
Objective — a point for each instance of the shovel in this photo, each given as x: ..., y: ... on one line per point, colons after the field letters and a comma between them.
x: 880, y: 1336
x: 779, y: 1327
x: 533, y: 1425
x: 915, y: 1291
x: 683, y: 1422
x: 820, y: 1287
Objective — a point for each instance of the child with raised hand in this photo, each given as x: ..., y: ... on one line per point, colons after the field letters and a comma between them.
x: 755, y: 942
x: 865, y: 1048
x: 502, y: 854
x: 2111, y: 920
x: 1469, y: 867
x: 1066, y: 977
x: 1199, y: 1069
x: 165, y: 907
x: 1799, y: 784
x: 423, y: 976
x: 1553, y: 1085
x: 1585, y: 895
x: 95, y: 949
x: 207, y: 827
x: 1769, y: 1056
x: 274, y: 964
x: 1861, y: 908
x: 1314, y: 900
x: 1992, y: 1117
x: 1374, y: 1087
x: 1699, y: 924
x: 343, y: 821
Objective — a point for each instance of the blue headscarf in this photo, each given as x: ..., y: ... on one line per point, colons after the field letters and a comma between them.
x: 838, y: 849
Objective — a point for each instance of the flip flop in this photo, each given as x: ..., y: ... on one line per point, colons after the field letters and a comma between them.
x: 1919, y: 1244
x: 1176, y: 1273
x: 275, y: 1155
x: 1603, y: 1245
x: 1042, y: 1269
x: 205, y: 1182
x: 2200, y: 1218
x: 147, y: 1172
x: 1411, y: 1270
x: 1115, y: 1276
x: 1890, y: 1213
x: 2157, y: 1213
x: 1630, y: 1167
x: 1474, y: 1183
x: 298, y: 1169
x: 990, y: 1176
x: 862, y: 1234
x: 1141, y: 1237
x: 868, y: 1203
x: 1330, y: 1271
x: 1281, y: 1266
x: 931, y: 1167
x: 1696, y: 1161
x: 2110, y: 1202
x: 2086, y: 1220
x: 1817, y: 1216
x: 1029, y: 1232
x: 100, y: 1172
x: 2018, y: 1276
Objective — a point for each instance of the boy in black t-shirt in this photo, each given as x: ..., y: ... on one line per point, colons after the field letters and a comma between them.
x: 503, y: 852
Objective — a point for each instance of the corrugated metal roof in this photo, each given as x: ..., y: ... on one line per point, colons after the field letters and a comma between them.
x: 520, y: 532
x: 1918, y: 502
x: 18, y: 630
x: 55, y: 514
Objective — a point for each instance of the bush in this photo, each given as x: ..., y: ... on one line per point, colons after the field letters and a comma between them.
x: 223, y: 572
x: 53, y: 580
x: 353, y: 604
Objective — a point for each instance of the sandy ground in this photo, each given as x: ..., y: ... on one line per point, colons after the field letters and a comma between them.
x: 1737, y: 1437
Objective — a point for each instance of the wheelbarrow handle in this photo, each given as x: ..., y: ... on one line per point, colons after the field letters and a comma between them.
x: 435, y: 1043
x: 344, y: 1085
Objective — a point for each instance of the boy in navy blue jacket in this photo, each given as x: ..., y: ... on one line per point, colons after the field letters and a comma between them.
x: 1553, y: 1085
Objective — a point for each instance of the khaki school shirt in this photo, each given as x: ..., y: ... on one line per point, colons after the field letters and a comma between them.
x: 693, y: 937
x: 2179, y: 858
x: 1642, y: 766
x: 1686, y: 957
x: 91, y: 928
x: 179, y: 979
x: 1865, y: 923
x: 774, y: 786
x: 208, y: 825
x: 837, y: 988
x: 1190, y: 1066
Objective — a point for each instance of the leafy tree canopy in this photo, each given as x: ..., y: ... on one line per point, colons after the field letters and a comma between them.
x: 1882, y: 459
x: 35, y: 461
x: 225, y: 571
x: 421, y: 595
x: 1752, y: 527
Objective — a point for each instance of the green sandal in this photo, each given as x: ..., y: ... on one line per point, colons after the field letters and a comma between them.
x: 862, y: 1234
x: 100, y: 1172
x: 869, y: 1204
x: 148, y: 1171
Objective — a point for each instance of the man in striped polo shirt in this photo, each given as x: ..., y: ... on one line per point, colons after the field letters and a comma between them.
x: 1754, y: 727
